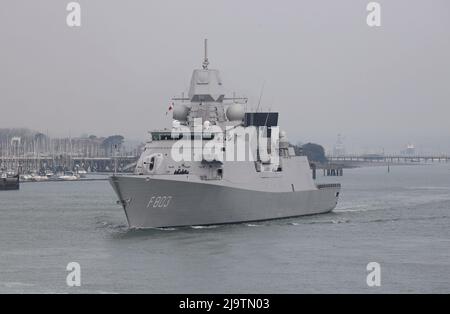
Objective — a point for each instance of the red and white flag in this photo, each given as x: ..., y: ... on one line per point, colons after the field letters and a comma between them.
x: 170, y: 108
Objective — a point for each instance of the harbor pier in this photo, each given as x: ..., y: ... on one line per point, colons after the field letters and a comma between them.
x: 334, y: 170
x: 392, y: 159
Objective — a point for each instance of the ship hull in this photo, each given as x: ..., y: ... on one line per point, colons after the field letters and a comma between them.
x: 150, y: 202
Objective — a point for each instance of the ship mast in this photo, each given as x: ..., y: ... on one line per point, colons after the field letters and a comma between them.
x: 205, y: 60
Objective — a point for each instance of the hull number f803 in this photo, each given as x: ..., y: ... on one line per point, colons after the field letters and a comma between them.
x: 159, y: 201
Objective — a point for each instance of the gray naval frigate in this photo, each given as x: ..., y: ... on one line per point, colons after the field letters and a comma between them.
x: 167, y: 191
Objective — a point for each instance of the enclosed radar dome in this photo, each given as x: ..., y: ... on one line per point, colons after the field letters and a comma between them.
x: 180, y: 112
x: 206, y: 84
x: 235, y: 112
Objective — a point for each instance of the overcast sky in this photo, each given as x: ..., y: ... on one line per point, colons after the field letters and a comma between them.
x: 324, y: 69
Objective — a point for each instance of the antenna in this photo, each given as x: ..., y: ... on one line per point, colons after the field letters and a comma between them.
x: 260, y: 96
x: 205, y: 60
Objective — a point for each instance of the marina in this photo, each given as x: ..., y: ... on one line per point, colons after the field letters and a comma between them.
x: 93, y: 164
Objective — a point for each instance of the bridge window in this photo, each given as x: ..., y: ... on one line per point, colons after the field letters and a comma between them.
x: 165, y: 136
x: 168, y: 136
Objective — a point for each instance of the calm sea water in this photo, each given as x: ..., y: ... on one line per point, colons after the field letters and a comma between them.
x: 399, y: 219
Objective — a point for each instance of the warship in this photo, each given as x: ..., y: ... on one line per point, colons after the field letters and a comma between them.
x: 205, y: 188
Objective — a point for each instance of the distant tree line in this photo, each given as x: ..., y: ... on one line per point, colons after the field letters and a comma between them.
x: 30, y: 141
x: 112, y: 143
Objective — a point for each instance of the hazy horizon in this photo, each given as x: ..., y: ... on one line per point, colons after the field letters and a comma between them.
x: 323, y: 68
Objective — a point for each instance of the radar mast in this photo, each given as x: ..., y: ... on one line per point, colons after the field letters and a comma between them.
x: 205, y: 60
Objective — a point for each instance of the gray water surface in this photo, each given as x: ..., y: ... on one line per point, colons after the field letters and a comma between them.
x: 399, y: 219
